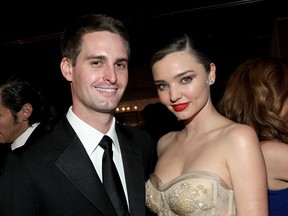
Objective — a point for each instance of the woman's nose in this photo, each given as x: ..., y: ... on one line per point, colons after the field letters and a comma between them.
x: 175, y: 94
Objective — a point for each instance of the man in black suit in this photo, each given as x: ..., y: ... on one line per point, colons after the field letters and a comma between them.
x: 61, y: 174
x: 24, y: 112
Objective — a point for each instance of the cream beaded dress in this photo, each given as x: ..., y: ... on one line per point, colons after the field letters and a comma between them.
x: 195, y: 193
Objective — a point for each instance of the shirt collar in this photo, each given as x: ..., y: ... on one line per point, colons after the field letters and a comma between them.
x: 89, y: 136
x: 21, y: 140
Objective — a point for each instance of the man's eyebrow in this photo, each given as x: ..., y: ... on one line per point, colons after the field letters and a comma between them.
x: 122, y: 59
x: 95, y: 57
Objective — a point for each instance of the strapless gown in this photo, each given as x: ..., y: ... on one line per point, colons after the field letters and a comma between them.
x: 194, y: 193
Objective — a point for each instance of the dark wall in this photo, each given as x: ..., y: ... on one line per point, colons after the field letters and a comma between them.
x: 231, y: 31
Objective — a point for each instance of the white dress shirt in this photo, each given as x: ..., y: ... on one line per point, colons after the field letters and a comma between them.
x: 90, y: 138
x: 21, y: 140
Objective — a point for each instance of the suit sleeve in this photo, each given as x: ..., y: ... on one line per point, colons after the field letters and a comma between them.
x: 16, y: 188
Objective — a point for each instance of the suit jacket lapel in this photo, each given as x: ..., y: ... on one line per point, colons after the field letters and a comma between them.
x: 132, y: 162
x: 77, y: 166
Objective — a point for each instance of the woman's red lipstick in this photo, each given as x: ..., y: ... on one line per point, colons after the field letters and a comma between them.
x: 180, y: 107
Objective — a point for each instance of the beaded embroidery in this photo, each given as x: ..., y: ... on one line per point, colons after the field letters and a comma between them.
x: 195, y: 193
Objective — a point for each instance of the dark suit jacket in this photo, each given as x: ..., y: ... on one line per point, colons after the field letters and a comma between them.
x: 38, y: 132
x: 6, y: 148
x: 55, y: 176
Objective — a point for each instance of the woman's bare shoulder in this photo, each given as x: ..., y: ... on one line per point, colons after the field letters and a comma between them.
x: 166, y: 140
x: 239, y: 130
x: 273, y: 149
x: 236, y: 134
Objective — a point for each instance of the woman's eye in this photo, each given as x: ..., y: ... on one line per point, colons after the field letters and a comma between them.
x: 186, y: 80
x: 161, y: 86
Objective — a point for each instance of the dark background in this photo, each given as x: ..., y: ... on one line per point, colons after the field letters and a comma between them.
x: 233, y: 31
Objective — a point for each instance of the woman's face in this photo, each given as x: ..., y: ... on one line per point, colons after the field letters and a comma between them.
x: 182, y: 83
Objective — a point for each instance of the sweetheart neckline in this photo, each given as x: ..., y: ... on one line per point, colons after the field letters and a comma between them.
x: 159, y: 185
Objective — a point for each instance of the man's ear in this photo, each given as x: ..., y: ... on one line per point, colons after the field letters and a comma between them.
x: 66, y: 68
x: 27, y: 110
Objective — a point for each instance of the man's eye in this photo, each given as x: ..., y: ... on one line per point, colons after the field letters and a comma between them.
x: 96, y: 62
x: 121, y: 65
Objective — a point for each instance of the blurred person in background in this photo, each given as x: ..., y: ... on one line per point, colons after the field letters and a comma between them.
x: 257, y: 95
x: 24, y: 113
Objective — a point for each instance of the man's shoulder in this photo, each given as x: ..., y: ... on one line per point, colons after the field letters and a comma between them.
x: 45, y: 141
x: 135, y: 131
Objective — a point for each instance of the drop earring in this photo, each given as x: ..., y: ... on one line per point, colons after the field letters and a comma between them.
x: 210, y: 82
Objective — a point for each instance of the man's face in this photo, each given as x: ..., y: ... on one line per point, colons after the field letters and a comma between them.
x: 100, y: 75
x: 9, y: 127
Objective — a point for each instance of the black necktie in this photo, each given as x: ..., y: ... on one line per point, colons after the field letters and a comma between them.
x: 111, y: 179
